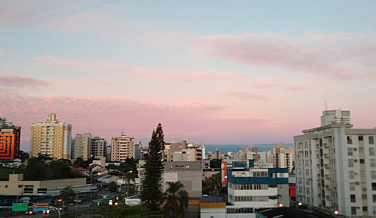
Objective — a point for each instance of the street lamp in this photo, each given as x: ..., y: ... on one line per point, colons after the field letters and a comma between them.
x: 336, y: 212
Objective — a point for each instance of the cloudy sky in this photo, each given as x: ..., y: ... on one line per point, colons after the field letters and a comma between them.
x: 217, y: 72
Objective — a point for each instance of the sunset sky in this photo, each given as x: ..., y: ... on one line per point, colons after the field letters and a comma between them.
x: 216, y: 72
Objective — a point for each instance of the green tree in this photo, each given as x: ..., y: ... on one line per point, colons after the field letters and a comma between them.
x: 129, y: 177
x: 151, y: 189
x: 79, y: 162
x: 67, y: 194
x: 176, y: 200
x: 112, y: 186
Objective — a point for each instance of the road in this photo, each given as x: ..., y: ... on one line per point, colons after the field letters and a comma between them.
x: 71, y: 209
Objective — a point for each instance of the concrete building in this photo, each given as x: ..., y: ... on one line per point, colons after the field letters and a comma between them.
x: 139, y: 155
x: 255, y: 187
x: 108, y: 153
x: 82, y: 146
x: 51, y: 137
x: 189, y: 173
x: 98, y: 147
x: 212, y: 206
x: 122, y: 148
x: 282, y: 157
x: 336, y: 166
x: 17, y: 186
x: 9, y: 140
x: 183, y: 151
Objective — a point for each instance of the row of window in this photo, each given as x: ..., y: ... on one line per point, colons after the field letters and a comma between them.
x: 360, y: 138
x: 249, y: 186
x: 251, y: 198
x: 361, y: 150
x: 239, y: 210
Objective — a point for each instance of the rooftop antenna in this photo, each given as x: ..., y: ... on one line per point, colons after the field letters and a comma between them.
x: 325, y: 105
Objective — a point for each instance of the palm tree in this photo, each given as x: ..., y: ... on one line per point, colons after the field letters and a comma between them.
x: 67, y: 194
x: 176, y: 200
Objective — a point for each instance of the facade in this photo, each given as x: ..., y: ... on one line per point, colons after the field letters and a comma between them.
x: 183, y: 151
x: 82, y: 146
x: 9, y: 140
x: 254, y: 188
x: 122, y: 148
x: 139, y: 155
x: 189, y: 173
x: 51, y: 137
x: 98, y: 147
x: 282, y: 157
x: 336, y: 166
x: 17, y: 186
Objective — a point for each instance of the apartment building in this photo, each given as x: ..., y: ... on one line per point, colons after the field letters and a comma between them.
x: 51, y: 137
x: 98, y: 147
x: 282, y: 157
x: 255, y: 187
x: 9, y: 140
x: 183, y: 151
x: 83, y: 146
x: 122, y: 147
x: 336, y: 166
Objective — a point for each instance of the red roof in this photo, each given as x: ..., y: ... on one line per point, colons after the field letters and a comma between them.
x: 91, y: 166
x: 79, y: 169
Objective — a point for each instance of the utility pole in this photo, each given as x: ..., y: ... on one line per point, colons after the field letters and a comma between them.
x: 77, y: 203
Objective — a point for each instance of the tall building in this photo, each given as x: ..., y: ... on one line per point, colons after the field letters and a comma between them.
x: 336, y: 166
x: 51, y: 137
x: 282, y: 157
x: 183, y: 151
x: 9, y: 140
x: 122, y: 148
x: 138, y: 151
x: 82, y: 146
x: 98, y: 147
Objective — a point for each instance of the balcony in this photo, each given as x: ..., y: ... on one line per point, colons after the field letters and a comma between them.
x: 328, y: 155
x: 329, y: 198
x: 328, y: 166
x: 328, y: 176
x: 329, y: 187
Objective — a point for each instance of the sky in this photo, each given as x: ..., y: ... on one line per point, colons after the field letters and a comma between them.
x: 215, y: 72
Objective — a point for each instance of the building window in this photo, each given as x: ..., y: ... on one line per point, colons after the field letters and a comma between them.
x: 352, y: 198
x: 365, y: 209
x: 371, y: 151
x: 370, y: 140
x: 360, y: 138
x: 351, y: 175
x: 352, y: 186
x: 372, y: 162
x: 374, y: 198
x: 353, y: 210
x: 373, y: 174
x: 361, y: 161
x: 349, y: 140
x: 374, y: 186
x: 374, y: 210
x: 364, y: 196
x: 351, y: 163
x: 350, y: 151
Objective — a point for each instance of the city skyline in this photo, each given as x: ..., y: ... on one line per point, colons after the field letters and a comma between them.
x: 216, y: 73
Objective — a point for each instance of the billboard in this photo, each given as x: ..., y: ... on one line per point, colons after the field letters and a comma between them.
x: 170, y: 177
x: 9, y: 143
x: 223, y: 173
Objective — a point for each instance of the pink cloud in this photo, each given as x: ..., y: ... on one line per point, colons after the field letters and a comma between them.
x: 246, y: 95
x: 100, y: 67
x: 22, y: 81
x: 107, y: 117
x: 346, y: 58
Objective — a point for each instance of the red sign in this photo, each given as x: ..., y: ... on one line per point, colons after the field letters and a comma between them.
x: 40, y: 205
x: 223, y: 173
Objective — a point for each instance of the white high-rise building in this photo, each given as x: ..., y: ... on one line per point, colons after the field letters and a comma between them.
x: 82, y: 146
x: 282, y: 157
x: 51, y: 137
x: 122, y: 148
x: 336, y: 166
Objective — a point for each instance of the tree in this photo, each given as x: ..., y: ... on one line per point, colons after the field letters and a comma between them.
x: 23, y: 156
x: 129, y: 176
x: 176, y: 200
x: 67, y: 194
x: 112, y: 186
x: 151, y: 189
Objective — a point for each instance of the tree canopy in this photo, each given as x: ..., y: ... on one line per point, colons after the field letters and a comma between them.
x: 151, y: 189
x: 175, y: 199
